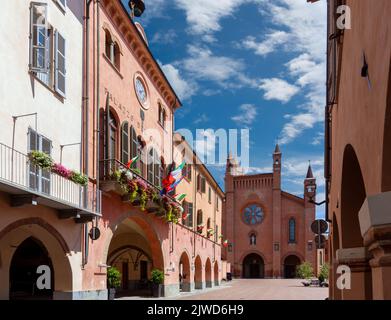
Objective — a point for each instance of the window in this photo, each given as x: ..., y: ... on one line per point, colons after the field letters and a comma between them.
x: 190, y: 214
x: 47, y: 50
x: 39, y: 179
x: 217, y: 203
x: 39, y: 38
x: 162, y: 116
x: 253, y: 239
x: 292, y: 230
x: 209, y: 195
x: 253, y: 214
x: 216, y: 233
x: 112, y: 137
x: 199, y: 183
x: 112, y: 50
x: 125, y: 143
x: 62, y: 4
x: 203, y: 184
x: 199, y: 220
x: 208, y: 224
x: 154, y: 168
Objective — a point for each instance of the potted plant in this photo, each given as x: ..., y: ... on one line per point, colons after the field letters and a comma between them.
x: 157, y: 279
x: 113, y: 281
x: 41, y: 159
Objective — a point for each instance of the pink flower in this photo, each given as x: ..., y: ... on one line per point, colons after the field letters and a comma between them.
x: 61, y: 171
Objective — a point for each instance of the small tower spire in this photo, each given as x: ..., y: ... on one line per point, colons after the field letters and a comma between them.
x: 310, y: 175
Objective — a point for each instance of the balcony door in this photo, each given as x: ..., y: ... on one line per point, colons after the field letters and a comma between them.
x: 39, y: 179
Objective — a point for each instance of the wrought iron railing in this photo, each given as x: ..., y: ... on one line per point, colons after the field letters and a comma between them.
x: 110, y: 166
x: 17, y: 170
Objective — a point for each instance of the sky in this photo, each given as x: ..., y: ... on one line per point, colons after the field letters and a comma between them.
x: 248, y: 64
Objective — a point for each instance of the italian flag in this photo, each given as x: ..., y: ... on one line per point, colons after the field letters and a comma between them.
x: 180, y: 197
x: 185, y: 215
x: 129, y: 164
x: 225, y: 243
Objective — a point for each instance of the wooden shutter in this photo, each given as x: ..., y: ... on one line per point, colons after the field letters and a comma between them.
x: 60, y: 63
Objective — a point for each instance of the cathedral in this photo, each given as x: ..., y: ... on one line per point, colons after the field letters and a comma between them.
x: 269, y: 230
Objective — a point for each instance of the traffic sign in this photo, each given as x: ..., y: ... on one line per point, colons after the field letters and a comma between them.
x: 319, y: 226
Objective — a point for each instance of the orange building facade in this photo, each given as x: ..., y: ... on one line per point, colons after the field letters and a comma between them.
x: 268, y: 229
x: 358, y: 150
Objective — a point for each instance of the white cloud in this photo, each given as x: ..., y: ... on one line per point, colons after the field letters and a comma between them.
x: 302, y: 30
x: 185, y: 89
x: 166, y: 37
x: 317, y: 140
x: 246, y: 116
x: 201, y: 64
x: 202, y: 118
x: 271, y: 42
x: 203, y: 16
x: 278, y: 89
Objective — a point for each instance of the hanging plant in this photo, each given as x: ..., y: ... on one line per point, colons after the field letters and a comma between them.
x: 60, y: 170
x: 79, y: 178
x: 41, y: 159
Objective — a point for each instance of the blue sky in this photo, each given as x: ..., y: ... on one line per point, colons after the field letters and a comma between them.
x: 255, y: 64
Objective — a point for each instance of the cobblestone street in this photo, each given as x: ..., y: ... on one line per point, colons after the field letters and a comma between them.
x: 259, y: 289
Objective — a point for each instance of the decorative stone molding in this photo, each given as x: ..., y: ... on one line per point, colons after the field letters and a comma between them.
x: 375, y: 224
x: 356, y: 258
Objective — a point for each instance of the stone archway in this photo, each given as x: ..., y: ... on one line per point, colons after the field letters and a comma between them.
x: 28, y: 257
x: 216, y: 274
x: 353, y: 195
x: 134, y: 250
x: 208, y: 273
x: 253, y: 266
x: 46, y: 249
x: 184, y: 273
x: 291, y: 263
x: 386, y: 168
x: 198, y: 283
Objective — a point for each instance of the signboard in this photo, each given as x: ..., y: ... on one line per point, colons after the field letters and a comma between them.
x: 319, y: 226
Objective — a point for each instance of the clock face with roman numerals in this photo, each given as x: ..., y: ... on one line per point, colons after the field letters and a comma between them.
x: 141, y: 92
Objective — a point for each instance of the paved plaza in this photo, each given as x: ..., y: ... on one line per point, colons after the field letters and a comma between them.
x: 255, y: 289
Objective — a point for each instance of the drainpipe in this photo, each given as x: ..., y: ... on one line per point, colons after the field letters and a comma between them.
x: 327, y: 119
x: 97, y: 95
x: 86, y: 68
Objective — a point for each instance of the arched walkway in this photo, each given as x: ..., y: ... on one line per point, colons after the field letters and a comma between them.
x: 290, y: 265
x: 336, y: 294
x: 216, y: 274
x: 27, y: 244
x: 253, y: 266
x: 29, y: 255
x: 208, y: 273
x: 353, y: 195
x: 184, y: 273
x: 133, y: 251
x: 198, y: 283
x: 386, y: 167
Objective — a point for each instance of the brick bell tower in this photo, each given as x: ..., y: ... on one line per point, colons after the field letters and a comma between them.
x: 309, y: 215
x: 228, y: 222
x: 276, y: 245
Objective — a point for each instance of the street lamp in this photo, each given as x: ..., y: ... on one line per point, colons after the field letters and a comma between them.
x: 137, y: 8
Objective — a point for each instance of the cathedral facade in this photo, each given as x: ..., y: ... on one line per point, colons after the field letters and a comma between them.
x: 268, y: 230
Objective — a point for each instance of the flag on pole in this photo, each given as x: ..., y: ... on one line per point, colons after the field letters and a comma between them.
x: 174, y: 185
x: 185, y: 215
x: 180, y: 197
x: 131, y: 161
x: 225, y: 243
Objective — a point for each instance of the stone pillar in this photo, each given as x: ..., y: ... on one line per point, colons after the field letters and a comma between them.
x: 375, y: 224
x: 357, y: 259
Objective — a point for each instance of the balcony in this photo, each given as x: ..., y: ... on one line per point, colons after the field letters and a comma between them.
x: 137, y: 191
x: 28, y: 185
